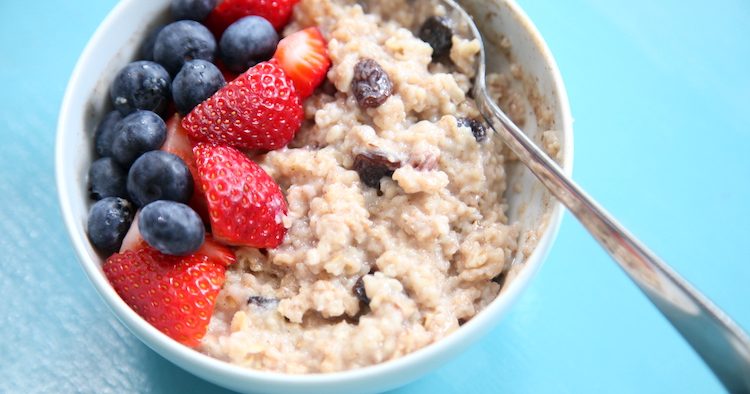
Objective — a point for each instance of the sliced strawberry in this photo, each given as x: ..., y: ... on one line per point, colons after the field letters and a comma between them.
x: 217, y: 252
x: 179, y: 144
x: 176, y: 294
x: 228, y: 75
x: 133, y: 239
x: 245, y: 204
x: 258, y: 110
x: 277, y: 12
x: 304, y: 57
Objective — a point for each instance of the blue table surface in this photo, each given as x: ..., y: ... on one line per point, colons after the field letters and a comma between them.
x: 660, y: 93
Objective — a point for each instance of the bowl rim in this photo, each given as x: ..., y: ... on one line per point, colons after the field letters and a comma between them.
x: 162, y: 344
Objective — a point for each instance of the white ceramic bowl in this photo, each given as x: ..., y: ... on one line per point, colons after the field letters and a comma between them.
x: 116, y: 42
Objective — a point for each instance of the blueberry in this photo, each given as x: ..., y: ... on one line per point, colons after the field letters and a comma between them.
x: 197, y: 81
x: 196, y: 10
x: 247, y: 42
x: 137, y: 133
x: 105, y: 133
x: 477, y: 128
x: 141, y: 85
x: 108, y: 222
x: 107, y: 179
x: 437, y: 32
x: 182, y: 41
x: 171, y: 227
x: 146, y: 51
x: 159, y: 175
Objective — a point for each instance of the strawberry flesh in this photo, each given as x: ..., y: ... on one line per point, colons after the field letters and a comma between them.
x: 304, y: 57
x: 216, y: 251
x: 133, y: 239
x: 179, y: 144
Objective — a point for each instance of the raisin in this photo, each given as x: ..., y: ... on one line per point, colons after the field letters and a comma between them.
x: 477, y: 128
x: 437, y: 32
x: 263, y: 302
x: 359, y: 291
x: 371, y: 84
x: 500, y: 279
x: 372, y: 166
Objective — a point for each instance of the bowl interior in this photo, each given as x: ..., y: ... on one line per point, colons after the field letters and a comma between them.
x: 510, y: 43
x: 116, y: 43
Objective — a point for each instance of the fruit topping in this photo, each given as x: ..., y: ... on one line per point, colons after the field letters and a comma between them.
x: 229, y: 76
x: 182, y: 41
x: 107, y: 179
x: 196, y: 10
x: 371, y: 85
x: 476, y: 126
x: 146, y: 50
x: 262, y: 302
x: 141, y: 85
x: 216, y: 251
x: 105, y: 133
x: 171, y: 227
x: 133, y: 239
x: 159, y: 175
x: 179, y: 144
x: 136, y: 134
x: 437, y: 32
x: 373, y: 166
x: 194, y: 189
x: 360, y: 292
x: 175, y: 294
x: 277, y: 12
x: 304, y: 57
x: 108, y: 221
x: 247, y: 42
x: 258, y: 110
x: 245, y: 205
x: 196, y: 81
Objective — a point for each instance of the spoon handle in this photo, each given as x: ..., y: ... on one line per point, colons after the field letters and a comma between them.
x: 715, y: 337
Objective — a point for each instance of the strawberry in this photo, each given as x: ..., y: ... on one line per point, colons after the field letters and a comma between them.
x: 258, y: 110
x: 133, y: 239
x: 178, y: 143
x: 175, y: 294
x: 229, y: 76
x: 245, y: 204
x: 277, y: 12
x: 216, y: 251
x: 304, y: 57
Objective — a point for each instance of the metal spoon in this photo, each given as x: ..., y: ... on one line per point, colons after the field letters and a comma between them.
x: 722, y: 344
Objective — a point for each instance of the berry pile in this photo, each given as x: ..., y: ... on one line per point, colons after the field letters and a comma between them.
x: 173, y: 191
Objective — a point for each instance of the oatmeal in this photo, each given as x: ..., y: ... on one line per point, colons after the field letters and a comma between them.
x: 396, y: 220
